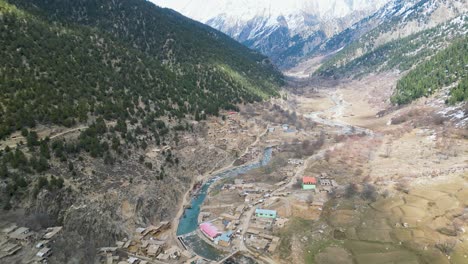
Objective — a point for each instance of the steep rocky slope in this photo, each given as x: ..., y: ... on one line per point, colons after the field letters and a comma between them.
x: 396, y: 20
x: 423, y: 41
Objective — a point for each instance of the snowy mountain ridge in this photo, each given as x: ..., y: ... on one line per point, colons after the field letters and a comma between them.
x: 246, y: 10
x: 273, y: 26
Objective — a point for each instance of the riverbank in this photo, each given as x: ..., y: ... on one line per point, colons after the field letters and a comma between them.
x: 362, y: 150
x: 188, y: 196
x: 189, y: 221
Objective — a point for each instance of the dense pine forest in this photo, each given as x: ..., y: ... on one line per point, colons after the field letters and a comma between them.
x: 446, y: 68
x: 426, y: 73
x: 130, y: 73
x: 64, y: 62
x: 400, y: 54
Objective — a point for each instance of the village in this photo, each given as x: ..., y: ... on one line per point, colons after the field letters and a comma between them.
x: 148, y: 245
x: 253, y: 217
x: 37, y: 245
x: 240, y: 215
x: 246, y: 208
x: 246, y: 213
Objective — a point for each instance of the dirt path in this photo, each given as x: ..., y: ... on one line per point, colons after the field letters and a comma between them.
x: 410, y: 155
x: 49, y: 133
x: 68, y: 131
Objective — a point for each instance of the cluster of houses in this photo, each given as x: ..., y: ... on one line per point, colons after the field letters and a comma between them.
x: 228, y: 222
x: 14, y: 238
x: 258, y: 235
x: 224, y: 229
x: 252, y: 193
x: 146, y: 246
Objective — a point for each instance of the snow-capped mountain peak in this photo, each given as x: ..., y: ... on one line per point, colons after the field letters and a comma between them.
x: 246, y: 10
x: 274, y: 26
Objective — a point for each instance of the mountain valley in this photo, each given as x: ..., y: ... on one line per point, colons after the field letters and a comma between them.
x: 132, y: 134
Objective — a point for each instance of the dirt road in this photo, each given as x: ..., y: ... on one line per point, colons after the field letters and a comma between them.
x: 49, y: 133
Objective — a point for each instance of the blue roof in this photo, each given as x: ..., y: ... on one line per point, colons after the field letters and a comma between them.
x: 263, y: 211
x: 225, y: 236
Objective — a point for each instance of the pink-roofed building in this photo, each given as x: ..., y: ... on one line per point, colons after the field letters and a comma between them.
x: 210, y: 230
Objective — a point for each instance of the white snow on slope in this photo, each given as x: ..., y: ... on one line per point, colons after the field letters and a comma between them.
x: 239, y: 11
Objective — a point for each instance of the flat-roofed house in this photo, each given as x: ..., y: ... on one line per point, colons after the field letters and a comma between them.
x: 9, y: 229
x: 22, y: 233
x: 262, y: 213
x: 153, y: 250
x: 224, y: 240
x: 9, y: 249
x: 325, y: 182
x: 52, y: 231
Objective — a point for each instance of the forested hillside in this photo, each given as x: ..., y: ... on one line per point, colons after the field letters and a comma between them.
x: 446, y: 68
x: 64, y: 62
x: 400, y: 54
x: 415, y: 53
x: 128, y: 78
x: 397, y: 20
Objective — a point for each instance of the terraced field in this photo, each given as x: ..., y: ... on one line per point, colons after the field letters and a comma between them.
x: 425, y: 225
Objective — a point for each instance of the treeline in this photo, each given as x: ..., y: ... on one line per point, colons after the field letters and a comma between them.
x: 446, y: 68
x: 65, y: 61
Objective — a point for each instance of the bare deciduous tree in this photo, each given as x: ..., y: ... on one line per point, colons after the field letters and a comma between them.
x: 369, y: 192
x: 351, y: 190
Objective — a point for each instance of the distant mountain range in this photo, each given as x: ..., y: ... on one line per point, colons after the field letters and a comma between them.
x: 423, y: 40
x: 293, y: 31
x: 396, y: 20
x: 282, y: 30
